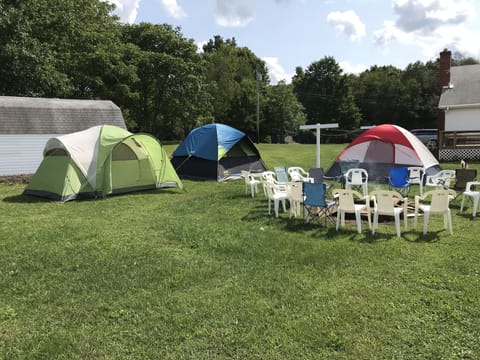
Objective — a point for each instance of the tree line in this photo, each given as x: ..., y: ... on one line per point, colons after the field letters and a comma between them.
x: 165, y: 86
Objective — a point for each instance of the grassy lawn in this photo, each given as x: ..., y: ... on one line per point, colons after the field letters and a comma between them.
x: 207, y: 274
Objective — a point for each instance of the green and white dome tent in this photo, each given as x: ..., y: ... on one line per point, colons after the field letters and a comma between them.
x: 100, y: 161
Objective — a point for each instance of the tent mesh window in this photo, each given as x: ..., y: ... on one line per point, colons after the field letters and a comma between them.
x: 240, y: 149
x: 123, y: 152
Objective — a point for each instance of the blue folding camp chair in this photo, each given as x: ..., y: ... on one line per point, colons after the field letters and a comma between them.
x: 399, y: 178
x: 314, y: 204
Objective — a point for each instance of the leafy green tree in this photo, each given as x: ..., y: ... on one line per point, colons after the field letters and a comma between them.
x: 409, y: 98
x: 283, y: 114
x: 423, y: 91
x: 233, y: 74
x: 170, y: 96
x: 459, y: 59
x: 60, y: 48
x: 326, y: 94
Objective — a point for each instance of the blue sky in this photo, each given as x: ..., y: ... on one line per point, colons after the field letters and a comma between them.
x: 291, y: 33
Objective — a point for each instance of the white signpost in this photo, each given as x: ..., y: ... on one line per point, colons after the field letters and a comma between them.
x: 318, y: 127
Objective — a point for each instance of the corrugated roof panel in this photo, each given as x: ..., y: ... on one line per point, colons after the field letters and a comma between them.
x: 20, y: 115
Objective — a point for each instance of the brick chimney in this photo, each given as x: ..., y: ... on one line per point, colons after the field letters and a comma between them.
x: 445, y: 63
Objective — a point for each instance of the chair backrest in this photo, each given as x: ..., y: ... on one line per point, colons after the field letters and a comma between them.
x: 416, y: 174
x: 269, y: 189
x: 346, y: 199
x: 316, y: 174
x: 398, y: 176
x: 462, y: 176
x: 314, y: 194
x: 268, y: 175
x: 356, y: 176
x: 297, y: 173
x: 440, y: 199
x: 246, y: 176
x: 384, y: 200
x: 295, y: 191
x: 441, y: 178
x: 281, y: 173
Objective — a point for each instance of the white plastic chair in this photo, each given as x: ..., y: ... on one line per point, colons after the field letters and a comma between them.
x: 269, y: 176
x: 346, y: 204
x: 297, y: 173
x: 295, y: 196
x: 357, y: 177
x: 416, y: 175
x: 475, y: 195
x: 250, y: 183
x: 276, y: 194
x: 384, y: 204
x: 439, y: 205
x: 441, y: 180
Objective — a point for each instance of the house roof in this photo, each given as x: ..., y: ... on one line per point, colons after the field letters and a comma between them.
x: 464, y: 90
x: 27, y: 115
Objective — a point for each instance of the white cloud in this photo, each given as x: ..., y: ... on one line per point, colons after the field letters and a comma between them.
x: 349, y: 68
x: 233, y: 13
x: 427, y: 15
x: 431, y: 25
x: 126, y: 10
x: 173, y: 9
x: 276, y: 71
x: 348, y: 23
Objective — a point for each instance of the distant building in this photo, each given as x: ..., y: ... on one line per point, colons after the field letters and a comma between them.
x: 459, y: 120
x: 27, y: 123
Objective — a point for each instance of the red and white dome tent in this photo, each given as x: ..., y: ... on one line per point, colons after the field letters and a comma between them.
x: 382, y: 147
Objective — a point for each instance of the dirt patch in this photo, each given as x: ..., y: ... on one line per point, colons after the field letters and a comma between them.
x: 15, y: 179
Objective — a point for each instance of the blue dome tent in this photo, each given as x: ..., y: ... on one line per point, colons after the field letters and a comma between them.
x: 216, y: 151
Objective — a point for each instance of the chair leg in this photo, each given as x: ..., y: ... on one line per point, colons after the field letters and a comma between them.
x: 426, y: 215
x: 450, y: 222
x: 338, y: 219
x: 397, y: 223
x: 475, y: 205
x: 375, y: 222
x: 369, y: 219
x: 461, y: 204
x: 276, y: 207
x: 358, y: 220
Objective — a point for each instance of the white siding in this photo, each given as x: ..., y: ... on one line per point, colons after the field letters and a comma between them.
x: 21, y: 154
x: 462, y: 120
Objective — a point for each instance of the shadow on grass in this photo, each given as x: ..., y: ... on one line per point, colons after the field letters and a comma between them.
x: 29, y: 199
x: 25, y: 199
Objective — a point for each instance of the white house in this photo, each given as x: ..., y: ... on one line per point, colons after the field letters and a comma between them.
x: 27, y: 123
x: 459, y: 122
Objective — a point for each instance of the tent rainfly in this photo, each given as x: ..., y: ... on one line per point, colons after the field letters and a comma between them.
x: 216, y: 151
x: 382, y: 147
x: 100, y: 161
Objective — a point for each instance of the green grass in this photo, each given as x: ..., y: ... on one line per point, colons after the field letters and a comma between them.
x: 207, y: 274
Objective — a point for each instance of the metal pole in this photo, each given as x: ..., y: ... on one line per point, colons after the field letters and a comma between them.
x: 318, y: 127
